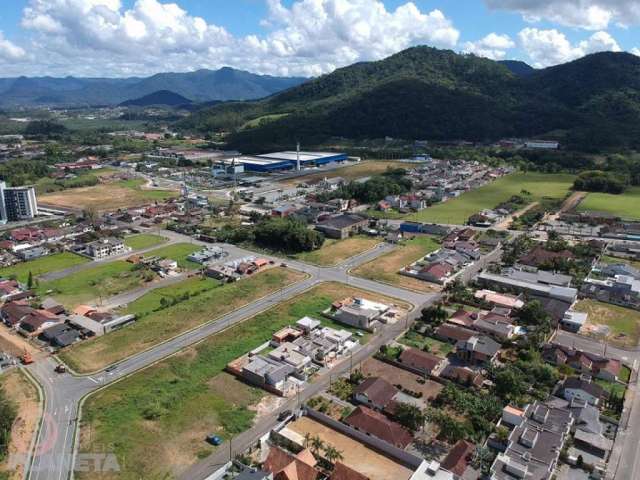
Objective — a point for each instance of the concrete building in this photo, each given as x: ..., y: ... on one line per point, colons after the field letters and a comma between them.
x: 342, y: 226
x: 573, y: 321
x: 17, y: 203
x: 106, y: 247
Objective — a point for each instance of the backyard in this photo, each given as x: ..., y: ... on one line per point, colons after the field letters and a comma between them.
x: 334, y: 252
x: 624, y: 205
x: 458, y: 210
x: 623, y: 323
x: 385, y: 268
x: 186, y: 305
x: 182, y: 398
x: 143, y: 240
x: 39, y: 266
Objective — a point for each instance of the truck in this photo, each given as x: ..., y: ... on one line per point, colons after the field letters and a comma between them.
x: 26, y: 358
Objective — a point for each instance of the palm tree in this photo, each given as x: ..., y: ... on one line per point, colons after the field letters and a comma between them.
x: 316, y: 444
x: 332, y: 454
x: 307, y: 440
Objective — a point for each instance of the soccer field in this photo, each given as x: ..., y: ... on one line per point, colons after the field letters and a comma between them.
x: 458, y: 210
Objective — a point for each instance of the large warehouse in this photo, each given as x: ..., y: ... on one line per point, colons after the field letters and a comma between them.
x: 270, y: 162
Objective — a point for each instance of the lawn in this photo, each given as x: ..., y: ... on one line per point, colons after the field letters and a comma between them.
x: 39, y: 266
x: 416, y: 340
x: 458, y: 210
x: 624, y: 323
x: 614, y: 260
x: 385, y: 268
x: 350, y: 172
x: 155, y: 421
x: 614, y: 388
x: 197, y: 301
x: 143, y: 240
x: 624, y: 205
x: 334, y: 252
x: 107, y: 196
x: 178, y: 252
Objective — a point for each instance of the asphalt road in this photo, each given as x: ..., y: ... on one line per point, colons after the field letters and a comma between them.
x: 56, y: 442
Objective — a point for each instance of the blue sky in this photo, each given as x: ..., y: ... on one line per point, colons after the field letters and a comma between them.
x: 297, y: 37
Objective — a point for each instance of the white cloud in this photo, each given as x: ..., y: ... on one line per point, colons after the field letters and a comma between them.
x: 309, y: 37
x: 10, y: 51
x: 550, y: 47
x: 587, y: 14
x: 493, y: 46
x: 636, y: 51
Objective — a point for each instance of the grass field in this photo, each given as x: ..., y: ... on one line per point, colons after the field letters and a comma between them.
x: 625, y: 205
x: 144, y: 240
x: 614, y: 260
x: 155, y: 421
x: 334, y: 252
x: 256, y: 122
x: 624, y: 323
x: 208, y: 300
x: 350, y: 172
x: 113, y: 278
x: 107, y: 196
x: 39, y: 266
x: 416, y: 340
x: 458, y: 210
x: 385, y: 268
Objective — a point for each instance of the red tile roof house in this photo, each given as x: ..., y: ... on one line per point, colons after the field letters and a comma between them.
x: 375, y: 392
x: 286, y: 466
x: 600, y: 367
x: 459, y: 457
x: 13, y: 313
x: 541, y: 256
x: 37, y: 321
x: 453, y: 333
x: 436, y: 272
x: 8, y: 287
x: 464, y: 318
x: 420, y: 362
x: 342, y: 472
x: 377, y: 425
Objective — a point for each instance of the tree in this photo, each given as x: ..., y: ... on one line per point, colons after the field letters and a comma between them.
x: 435, y: 315
x: 307, y: 439
x: 509, y: 384
x: 30, y: 280
x: 410, y: 416
x: 332, y: 454
x: 316, y: 444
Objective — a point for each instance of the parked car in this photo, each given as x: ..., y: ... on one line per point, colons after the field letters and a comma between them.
x: 284, y: 415
x: 60, y: 368
x: 214, y: 440
x: 110, y: 368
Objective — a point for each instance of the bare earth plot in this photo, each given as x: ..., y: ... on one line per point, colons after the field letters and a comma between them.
x: 105, y: 197
x: 25, y: 396
x: 334, y: 252
x: 376, y: 368
x: 207, y: 300
x: 385, y: 268
x: 155, y: 421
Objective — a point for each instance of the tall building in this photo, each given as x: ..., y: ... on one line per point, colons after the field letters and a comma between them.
x: 17, y: 203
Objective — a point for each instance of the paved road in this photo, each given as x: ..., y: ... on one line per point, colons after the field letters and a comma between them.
x: 57, y: 442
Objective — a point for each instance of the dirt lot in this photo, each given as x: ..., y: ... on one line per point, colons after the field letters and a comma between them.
x: 623, y: 324
x: 21, y: 391
x: 375, y: 368
x: 356, y: 455
x: 13, y: 344
x: 334, y: 252
x: 350, y: 172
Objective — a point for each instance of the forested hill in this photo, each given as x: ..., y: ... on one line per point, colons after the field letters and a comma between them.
x: 426, y: 93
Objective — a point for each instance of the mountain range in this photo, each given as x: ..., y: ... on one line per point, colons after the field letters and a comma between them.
x: 199, y: 86
x: 426, y: 93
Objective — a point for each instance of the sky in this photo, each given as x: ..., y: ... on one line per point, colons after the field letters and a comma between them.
x: 118, y: 38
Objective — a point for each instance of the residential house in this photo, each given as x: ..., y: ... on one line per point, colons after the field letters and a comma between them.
x: 540, y: 257
x: 376, y: 424
x: 478, y: 350
x: 267, y: 373
x: 496, y: 326
x: 286, y: 466
x: 359, y: 312
x: 463, y: 376
x: 12, y: 313
x: 583, y: 389
x: 421, y: 362
x: 573, y: 321
x: 459, y: 458
x: 342, y: 226
x: 583, y: 362
x: 288, y: 354
x: 106, y: 247
x: 342, y: 472
x: 375, y: 392
x: 500, y: 299
x: 453, y: 334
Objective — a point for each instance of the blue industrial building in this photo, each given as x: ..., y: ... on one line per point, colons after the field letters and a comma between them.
x: 272, y: 162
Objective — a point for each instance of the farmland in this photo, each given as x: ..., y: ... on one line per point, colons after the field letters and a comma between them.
x: 458, y: 210
x: 334, y: 252
x: 624, y: 205
x: 385, y: 268
x: 39, y: 266
x: 186, y: 305
x: 182, y: 396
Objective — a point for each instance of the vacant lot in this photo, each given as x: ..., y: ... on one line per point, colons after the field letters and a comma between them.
x: 334, y: 252
x: 155, y: 421
x: 39, y: 266
x: 25, y: 396
x: 144, y: 240
x: 186, y: 305
x: 397, y: 376
x: 107, y: 196
x: 623, y: 323
x: 178, y: 252
x: 350, y: 172
x: 385, y: 268
x: 625, y: 205
x: 419, y: 341
x: 614, y: 260
x: 458, y: 210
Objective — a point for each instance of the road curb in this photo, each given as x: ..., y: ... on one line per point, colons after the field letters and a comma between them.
x: 36, y: 438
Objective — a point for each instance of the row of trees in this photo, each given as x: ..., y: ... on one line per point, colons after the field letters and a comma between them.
x: 393, y: 182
